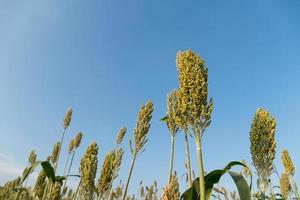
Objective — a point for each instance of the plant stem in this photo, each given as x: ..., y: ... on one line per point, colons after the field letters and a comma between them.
x: 171, y: 158
x: 129, y: 176
x: 200, y: 167
x: 66, y: 165
x: 294, y: 187
x: 77, y: 190
x: 61, y: 142
x: 69, y: 169
x: 188, y: 162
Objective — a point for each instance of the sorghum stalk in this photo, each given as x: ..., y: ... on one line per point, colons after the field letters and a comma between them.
x: 171, y: 159
x: 200, y: 166
x: 66, y: 123
x: 129, y: 176
x: 188, y: 162
x: 140, y: 136
x: 173, y: 115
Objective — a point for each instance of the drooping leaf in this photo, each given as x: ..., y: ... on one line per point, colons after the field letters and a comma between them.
x: 242, y: 185
x: 49, y: 170
x: 214, y: 177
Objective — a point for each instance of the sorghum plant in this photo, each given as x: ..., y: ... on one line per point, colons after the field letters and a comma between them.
x: 140, y: 136
x: 195, y: 108
x: 171, y: 191
x: 262, y: 146
x: 172, y: 116
x: 66, y: 123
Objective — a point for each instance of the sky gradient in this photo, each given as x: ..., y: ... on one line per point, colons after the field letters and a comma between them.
x: 105, y: 58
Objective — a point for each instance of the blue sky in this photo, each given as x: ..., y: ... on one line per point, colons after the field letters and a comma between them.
x: 105, y: 58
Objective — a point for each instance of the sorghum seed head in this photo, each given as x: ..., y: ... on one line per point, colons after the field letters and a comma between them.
x: 71, y: 146
x: 120, y: 135
x: 142, y: 126
x: 285, y: 186
x: 32, y: 157
x: 40, y: 184
x: 109, y: 171
x: 88, y: 170
x: 173, y: 112
x: 55, y: 191
x: 67, y: 118
x: 193, y: 104
x: 171, y: 191
x: 262, y: 143
x: 287, y: 162
x: 54, y: 154
x: 78, y: 139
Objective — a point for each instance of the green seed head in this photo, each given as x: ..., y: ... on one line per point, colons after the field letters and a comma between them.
x: 88, y: 170
x: 262, y: 143
x: 287, y: 162
x: 67, y: 118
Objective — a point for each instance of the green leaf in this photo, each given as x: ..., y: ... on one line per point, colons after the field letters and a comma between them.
x: 242, y: 185
x: 49, y: 171
x: 214, y: 177
x: 164, y: 119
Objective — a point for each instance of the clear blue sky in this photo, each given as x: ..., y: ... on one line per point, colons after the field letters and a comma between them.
x: 105, y: 58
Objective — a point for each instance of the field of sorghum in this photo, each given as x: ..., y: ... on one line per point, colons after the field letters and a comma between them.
x: 188, y: 112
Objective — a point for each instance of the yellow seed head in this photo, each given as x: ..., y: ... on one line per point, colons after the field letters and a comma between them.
x: 262, y: 143
x: 77, y: 140
x: 142, y: 126
x: 285, y: 186
x: 171, y: 191
x: 88, y: 170
x: 71, y: 146
x: 40, y: 184
x: 54, y: 154
x: 55, y: 191
x: 120, y: 135
x: 67, y: 118
x: 287, y: 162
x: 32, y: 157
x: 192, y: 77
x: 109, y: 171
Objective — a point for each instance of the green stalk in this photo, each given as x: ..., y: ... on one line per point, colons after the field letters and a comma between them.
x: 200, y: 167
x: 69, y: 169
x: 171, y: 158
x: 188, y: 162
x: 66, y: 165
x: 61, y: 143
x: 295, y: 189
x: 75, y: 196
x: 129, y: 176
